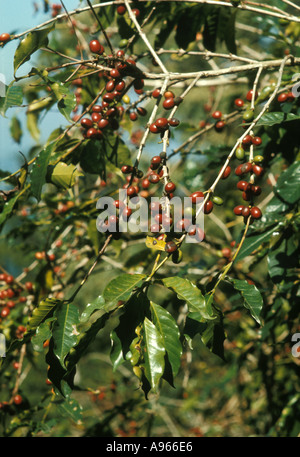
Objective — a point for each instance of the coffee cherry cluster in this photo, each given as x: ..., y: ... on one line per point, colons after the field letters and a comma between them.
x: 11, y: 294
x: 249, y: 190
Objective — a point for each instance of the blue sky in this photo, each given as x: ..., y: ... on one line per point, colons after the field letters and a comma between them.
x: 17, y: 16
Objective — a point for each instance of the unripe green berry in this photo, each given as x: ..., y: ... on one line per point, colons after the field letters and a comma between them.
x: 240, y: 153
x: 217, y: 200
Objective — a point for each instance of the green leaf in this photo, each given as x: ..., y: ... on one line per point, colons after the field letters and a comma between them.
x: 252, y: 297
x: 42, y: 333
x: 154, y: 354
x: 169, y: 331
x: 39, y: 170
x: 274, y: 118
x: 43, y: 310
x: 32, y: 125
x: 283, y: 257
x: 92, y: 159
x: 90, y: 308
x: 8, y: 208
x: 69, y: 407
x: 66, y: 100
x: 16, y: 129
x: 64, y: 175
x: 13, y: 97
x: 287, y: 186
x: 254, y: 241
x: 30, y: 44
x: 188, y: 292
x: 64, y: 331
x: 120, y: 289
x: 188, y: 24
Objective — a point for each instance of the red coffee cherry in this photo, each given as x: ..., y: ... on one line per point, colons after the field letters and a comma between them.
x: 246, y: 211
x: 97, y: 109
x: 5, y: 312
x: 5, y: 37
x: 154, y: 129
x: 247, y: 139
x: 133, y: 116
x: 156, y: 93
x: 226, y: 172
x: 18, y: 399
x: 219, y: 125
x: 168, y: 103
x: 238, y: 210
x: 9, y: 279
x: 239, y: 103
x: 126, y: 213
x: 170, y: 247
x: 145, y: 183
x: 126, y: 169
x: 161, y: 123
x: 257, y: 170
x: 249, y: 95
x: 10, y: 304
x: 131, y: 191
x: 141, y: 111
x: 154, y: 178
x: 196, y: 195
x: 282, y: 97
x: 96, y: 117
x: 242, y: 185
x: 257, y: 190
x: 208, y: 207
x: 173, y: 122
x: 170, y: 187
x: 96, y: 47
x: 103, y: 123
x: 121, y: 9
x: 217, y: 114
x: 255, y: 212
x: 86, y: 123
x: 256, y: 140
x: 226, y: 252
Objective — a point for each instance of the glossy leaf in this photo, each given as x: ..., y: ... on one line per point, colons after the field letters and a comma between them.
x: 254, y: 241
x: 30, y: 44
x: 39, y: 170
x: 120, y: 289
x: 64, y: 331
x: 270, y: 119
x: 42, y: 311
x: 13, y: 97
x: 90, y: 308
x: 252, y: 297
x: 287, y: 186
x: 169, y: 331
x: 191, y: 295
x: 154, y: 354
x: 64, y: 175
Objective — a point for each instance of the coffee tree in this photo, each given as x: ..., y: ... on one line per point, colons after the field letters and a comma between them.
x: 154, y: 103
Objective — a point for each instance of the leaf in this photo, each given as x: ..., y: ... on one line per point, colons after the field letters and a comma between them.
x: 8, y: 208
x: 283, y: 258
x: 252, y: 297
x: 16, y: 129
x: 120, y: 289
x: 13, y: 97
x: 169, y: 331
x: 188, y: 292
x: 64, y: 175
x: 219, y: 25
x: 30, y: 44
x: 274, y: 118
x: 32, y: 125
x: 90, y: 308
x: 92, y: 158
x: 39, y: 170
x: 43, y: 310
x: 69, y: 407
x: 64, y: 331
x: 188, y: 24
x: 66, y: 100
x: 287, y: 186
x: 42, y: 333
x: 254, y: 241
x: 154, y: 354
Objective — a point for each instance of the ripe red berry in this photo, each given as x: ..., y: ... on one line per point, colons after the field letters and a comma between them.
x: 170, y: 247
x: 121, y: 9
x: 154, y: 129
x: 154, y: 178
x: 256, y: 140
x: 126, y: 169
x: 247, y: 139
x: 249, y: 95
x: 103, y: 123
x: 196, y: 195
x: 96, y: 47
x: 156, y: 93
x: 5, y: 312
x: 170, y: 187
x: 173, y: 122
x: 168, y: 103
x: 257, y: 170
x: 242, y: 185
x: 131, y: 191
x: 226, y: 252
x: 239, y: 103
x: 246, y: 211
x: 226, y: 172
x: 18, y: 399
x: 136, y: 12
x: 161, y: 123
x: 145, y: 183
x: 282, y: 97
x: 133, y: 116
x: 238, y: 210
x: 219, y: 125
x: 217, y: 114
x: 4, y: 37
x: 9, y: 279
x: 255, y: 212
x: 208, y: 207
x: 86, y: 123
